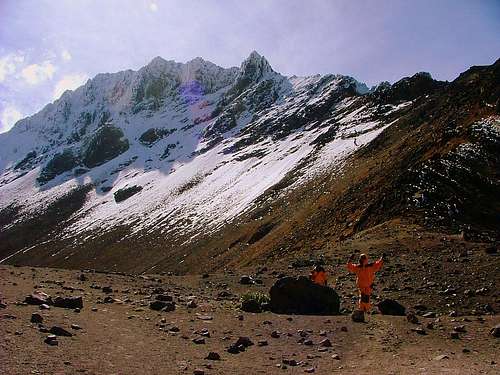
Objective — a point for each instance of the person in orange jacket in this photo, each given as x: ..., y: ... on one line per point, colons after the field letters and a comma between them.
x: 318, y: 275
x: 365, y: 273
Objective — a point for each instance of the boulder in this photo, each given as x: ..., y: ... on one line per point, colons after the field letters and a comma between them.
x: 38, y: 298
x: 391, y: 307
x: 290, y: 295
x: 69, y: 302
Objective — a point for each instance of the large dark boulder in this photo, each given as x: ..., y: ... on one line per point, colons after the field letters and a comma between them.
x: 391, y: 307
x: 300, y: 295
x: 107, y: 143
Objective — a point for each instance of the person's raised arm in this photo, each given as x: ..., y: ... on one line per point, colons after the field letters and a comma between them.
x: 350, y: 266
x: 379, y: 263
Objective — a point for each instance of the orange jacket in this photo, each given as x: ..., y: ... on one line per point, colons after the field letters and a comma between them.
x: 319, y: 277
x: 365, y: 274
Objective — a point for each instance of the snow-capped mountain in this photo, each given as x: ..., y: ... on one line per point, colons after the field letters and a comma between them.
x: 180, y: 151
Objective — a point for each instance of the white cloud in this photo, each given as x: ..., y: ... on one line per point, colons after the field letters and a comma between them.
x: 69, y: 82
x: 153, y: 6
x: 66, y: 56
x: 9, y: 117
x: 36, y: 73
x: 8, y: 64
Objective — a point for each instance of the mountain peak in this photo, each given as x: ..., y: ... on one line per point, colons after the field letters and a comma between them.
x: 255, y: 67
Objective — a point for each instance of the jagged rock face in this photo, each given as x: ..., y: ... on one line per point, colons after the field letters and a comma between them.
x: 209, y: 146
x: 107, y: 143
x: 407, y: 88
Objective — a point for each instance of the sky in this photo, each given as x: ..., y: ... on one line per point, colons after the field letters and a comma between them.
x: 49, y: 46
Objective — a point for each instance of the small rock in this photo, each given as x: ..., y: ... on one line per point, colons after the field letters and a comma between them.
x: 107, y: 289
x: 412, y: 318
x: 44, y: 306
x: 199, y: 340
x: 454, y: 335
x: 51, y: 340
x: 309, y: 370
x: 213, y: 356
x: 308, y: 342
x: 199, y: 371
x: 204, y: 317
x: 419, y: 330
x: 391, y: 307
x: 59, y: 331
x: 262, y: 343
x: 495, y: 331
x: 245, y: 341
x: 343, y: 329
x: 325, y: 343
x: 336, y: 357
x: 460, y: 328
x: 246, y: 280
x: 275, y: 334
x: 358, y: 316
x: 76, y: 327
x: 430, y: 314
x: 191, y: 304
x: 36, y: 318
x: 441, y: 357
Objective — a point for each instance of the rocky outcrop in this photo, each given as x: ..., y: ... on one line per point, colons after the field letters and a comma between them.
x: 125, y: 193
x: 153, y: 135
x: 60, y: 163
x: 106, y: 144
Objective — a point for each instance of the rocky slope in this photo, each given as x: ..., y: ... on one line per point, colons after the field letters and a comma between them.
x: 192, y: 166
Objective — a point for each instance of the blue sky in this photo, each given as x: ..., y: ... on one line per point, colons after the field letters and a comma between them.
x: 47, y: 46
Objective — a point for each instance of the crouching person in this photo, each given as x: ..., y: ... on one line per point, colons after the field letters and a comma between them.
x: 319, y: 276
